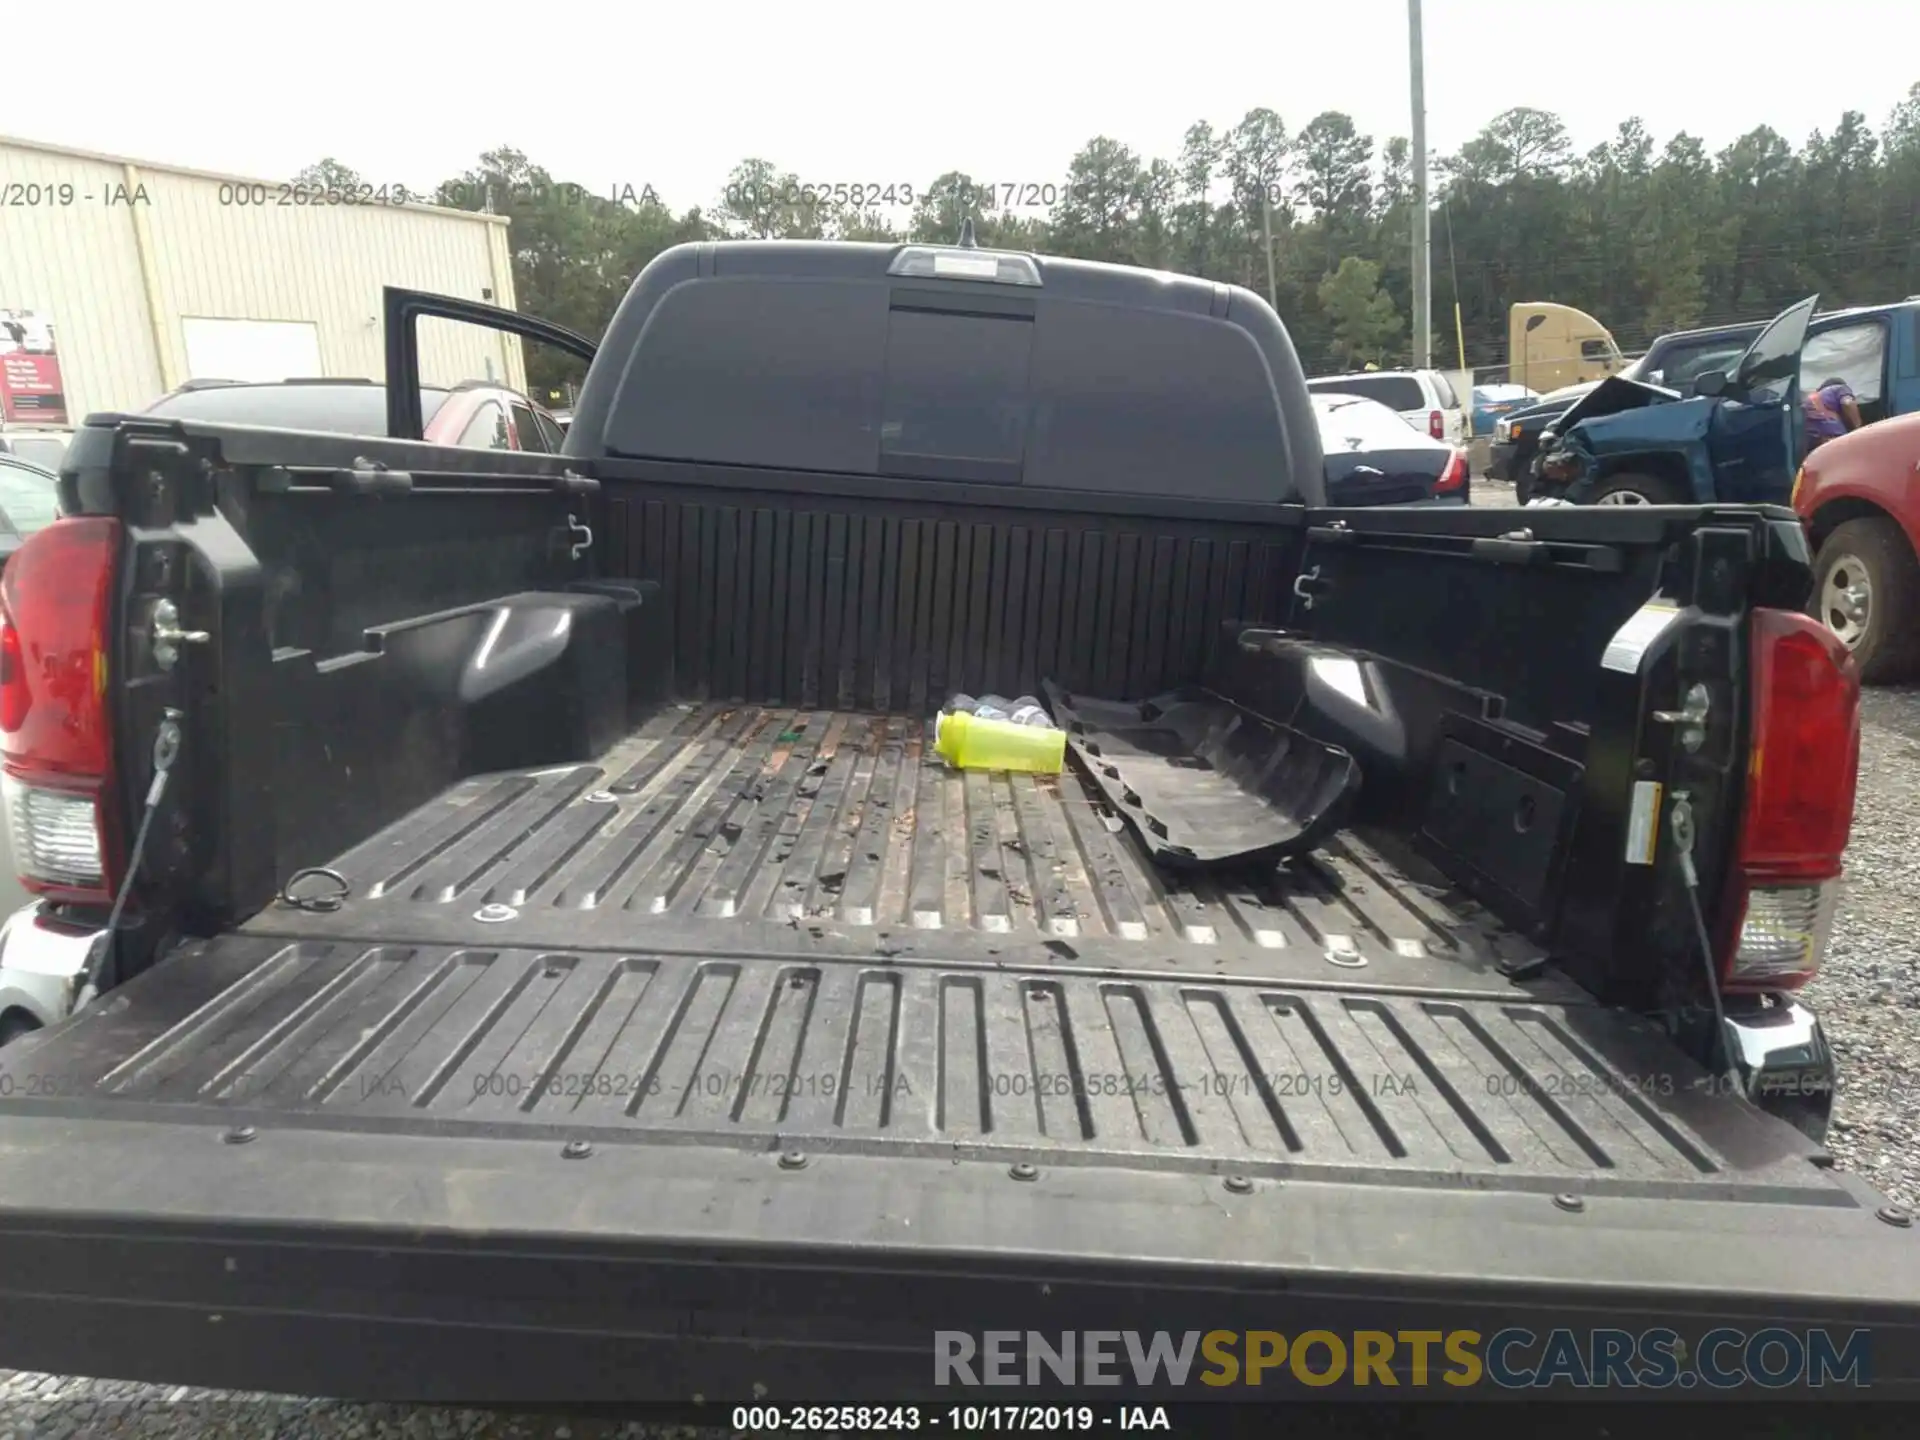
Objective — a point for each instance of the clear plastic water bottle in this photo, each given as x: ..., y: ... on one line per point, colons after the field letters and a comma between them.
x: 993, y: 707
x: 1027, y: 710
x: 960, y: 704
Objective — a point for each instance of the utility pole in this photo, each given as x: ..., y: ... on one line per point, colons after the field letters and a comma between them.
x: 1266, y: 231
x: 1422, y: 219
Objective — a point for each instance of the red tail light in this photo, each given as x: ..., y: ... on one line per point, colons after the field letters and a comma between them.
x: 1437, y: 425
x: 56, y: 602
x: 13, y: 686
x: 1799, y: 803
x: 1454, y: 478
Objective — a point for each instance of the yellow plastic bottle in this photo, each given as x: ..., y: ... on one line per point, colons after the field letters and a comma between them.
x: 970, y: 743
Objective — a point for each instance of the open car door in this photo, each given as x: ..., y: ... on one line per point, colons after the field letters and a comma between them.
x: 1771, y: 364
x: 1757, y: 447
x: 402, y: 310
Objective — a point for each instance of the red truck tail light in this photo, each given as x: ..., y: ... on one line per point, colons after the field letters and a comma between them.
x: 1799, y: 803
x: 56, y: 607
x: 1437, y: 425
x: 1454, y: 477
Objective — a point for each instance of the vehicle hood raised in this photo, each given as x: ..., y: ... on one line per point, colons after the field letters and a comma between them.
x: 1548, y: 407
x: 1612, y: 396
x: 1650, y: 427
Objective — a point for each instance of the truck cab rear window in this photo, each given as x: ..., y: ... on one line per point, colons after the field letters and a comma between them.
x: 956, y: 397
x: 777, y: 373
x: 873, y: 377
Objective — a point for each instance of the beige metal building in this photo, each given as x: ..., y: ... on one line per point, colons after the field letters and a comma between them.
x: 139, y: 276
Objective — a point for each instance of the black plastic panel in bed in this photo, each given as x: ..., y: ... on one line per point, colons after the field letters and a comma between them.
x: 1205, y: 782
x: 1499, y: 818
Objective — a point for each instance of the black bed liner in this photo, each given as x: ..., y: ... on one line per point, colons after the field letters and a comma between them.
x: 822, y: 1072
x: 834, y: 832
x: 751, y: 926
x: 916, y: 1060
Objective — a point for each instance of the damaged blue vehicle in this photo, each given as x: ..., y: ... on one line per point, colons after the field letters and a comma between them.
x: 1736, y: 438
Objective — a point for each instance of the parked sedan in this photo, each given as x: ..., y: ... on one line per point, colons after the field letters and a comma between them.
x: 1373, y: 457
x: 1426, y: 399
x: 29, y: 499
x: 479, y: 415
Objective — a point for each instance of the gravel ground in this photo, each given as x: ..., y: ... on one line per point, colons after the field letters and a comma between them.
x: 1868, y: 991
x: 50, y: 1407
x: 1489, y: 492
x: 1868, y: 995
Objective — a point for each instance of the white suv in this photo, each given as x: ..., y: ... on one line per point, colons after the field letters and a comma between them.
x: 1425, y: 398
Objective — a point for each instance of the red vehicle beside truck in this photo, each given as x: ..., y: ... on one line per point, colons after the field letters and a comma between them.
x: 1860, y: 498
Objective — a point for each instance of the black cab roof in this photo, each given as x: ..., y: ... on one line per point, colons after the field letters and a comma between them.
x: 952, y: 363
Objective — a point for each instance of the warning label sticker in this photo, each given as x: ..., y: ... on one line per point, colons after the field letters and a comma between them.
x: 1632, y: 640
x: 1643, y: 827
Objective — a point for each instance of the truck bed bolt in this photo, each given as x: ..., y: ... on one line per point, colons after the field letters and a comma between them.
x: 1895, y: 1215
x: 793, y: 1160
x: 1572, y: 1204
x: 1238, y: 1184
x: 1023, y: 1171
x: 239, y: 1135
x: 576, y: 1150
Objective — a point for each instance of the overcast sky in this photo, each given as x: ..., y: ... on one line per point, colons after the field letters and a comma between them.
x: 845, y: 90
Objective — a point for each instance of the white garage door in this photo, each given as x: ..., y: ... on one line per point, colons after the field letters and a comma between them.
x: 251, y: 349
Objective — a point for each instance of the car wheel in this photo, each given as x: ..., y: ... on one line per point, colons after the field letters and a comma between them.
x: 1629, y: 488
x: 1866, y: 589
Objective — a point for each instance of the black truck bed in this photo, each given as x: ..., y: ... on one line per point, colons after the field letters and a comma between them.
x: 739, y: 1053
x: 758, y: 970
x: 841, y: 833
x: 770, y: 928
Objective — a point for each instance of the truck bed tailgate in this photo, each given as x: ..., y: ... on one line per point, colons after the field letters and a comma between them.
x: 333, y: 1168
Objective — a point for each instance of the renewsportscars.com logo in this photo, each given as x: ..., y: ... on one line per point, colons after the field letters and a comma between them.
x: 1513, y: 1359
